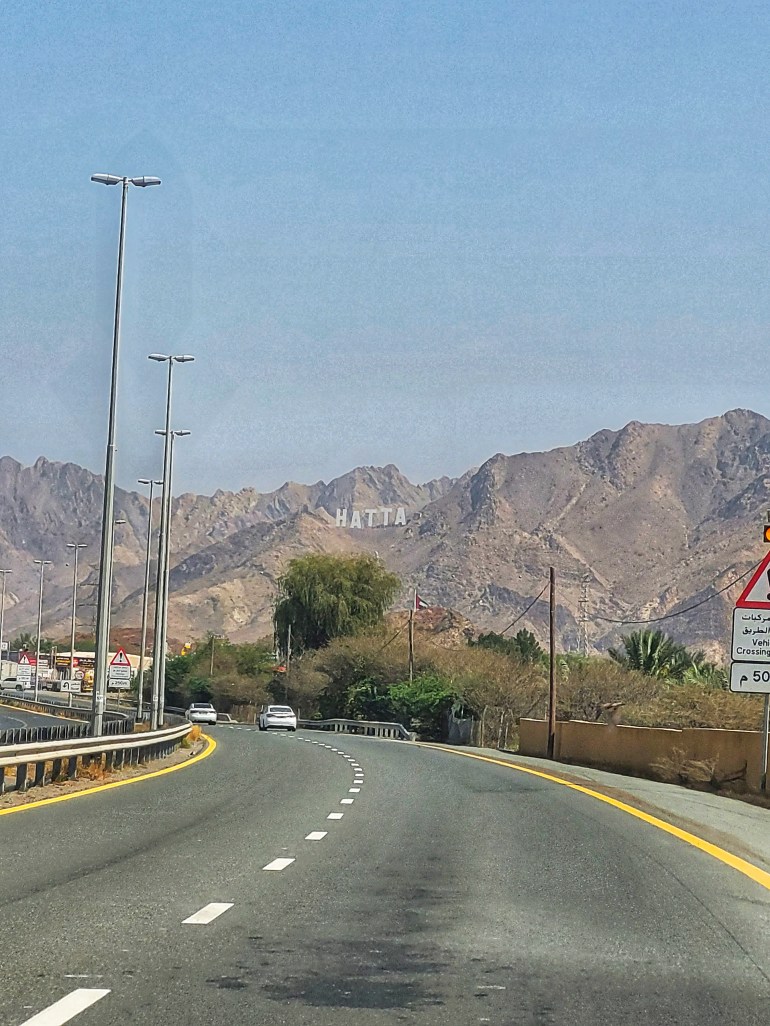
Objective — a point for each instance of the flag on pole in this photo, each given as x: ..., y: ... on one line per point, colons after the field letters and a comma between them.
x: 419, y: 603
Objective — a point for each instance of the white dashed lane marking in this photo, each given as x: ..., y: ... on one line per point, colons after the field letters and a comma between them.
x: 335, y: 815
x: 67, y: 1008
x: 278, y: 864
x: 347, y: 801
x: 354, y: 790
x: 208, y: 913
x: 316, y: 835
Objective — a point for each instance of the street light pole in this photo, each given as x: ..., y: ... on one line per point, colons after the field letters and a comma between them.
x: 43, y: 563
x: 2, y: 620
x: 145, y: 599
x: 76, y: 546
x: 166, y: 572
x: 101, y: 654
x: 159, y: 652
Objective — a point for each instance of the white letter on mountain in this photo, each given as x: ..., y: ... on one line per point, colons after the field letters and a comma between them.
x: 355, y: 519
x: 400, y: 517
x: 385, y: 515
x: 342, y: 518
x: 370, y: 515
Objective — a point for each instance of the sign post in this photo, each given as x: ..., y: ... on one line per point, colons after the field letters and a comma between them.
x: 24, y: 671
x: 119, y: 671
x: 750, y: 669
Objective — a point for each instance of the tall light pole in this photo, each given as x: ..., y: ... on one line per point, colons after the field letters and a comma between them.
x: 76, y: 546
x: 145, y: 599
x: 2, y: 620
x: 166, y: 572
x: 105, y: 566
x: 158, y: 643
x: 42, y: 563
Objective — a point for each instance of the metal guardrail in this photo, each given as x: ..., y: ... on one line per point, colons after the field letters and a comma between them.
x: 66, y: 757
x: 369, y: 728
x: 26, y: 735
x: 114, y: 722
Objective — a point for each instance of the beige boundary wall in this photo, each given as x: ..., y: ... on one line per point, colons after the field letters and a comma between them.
x: 635, y: 749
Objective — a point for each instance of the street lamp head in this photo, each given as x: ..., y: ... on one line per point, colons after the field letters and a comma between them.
x: 159, y: 357
x: 143, y: 480
x: 43, y: 562
x: 184, y: 359
x: 107, y: 179
x: 77, y: 545
x: 144, y: 182
x: 181, y: 434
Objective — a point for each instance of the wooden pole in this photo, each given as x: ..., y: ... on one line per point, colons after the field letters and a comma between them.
x: 552, y: 669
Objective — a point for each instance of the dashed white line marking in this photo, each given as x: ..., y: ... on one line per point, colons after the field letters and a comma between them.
x: 347, y: 801
x: 67, y: 1008
x: 208, y: 913
x: 335, y: 815
x: 278, y: 864
x: 354, y: 790
x: 316, y: 835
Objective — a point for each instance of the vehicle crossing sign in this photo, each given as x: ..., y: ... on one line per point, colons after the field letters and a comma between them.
x: 756, y: 594
x: 24, y: 669
x: 119, y: 669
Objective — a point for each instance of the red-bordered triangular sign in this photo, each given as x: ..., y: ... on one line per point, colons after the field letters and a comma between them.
x: 756, y: 594
x: 24, y: 659
x: 120, y: 658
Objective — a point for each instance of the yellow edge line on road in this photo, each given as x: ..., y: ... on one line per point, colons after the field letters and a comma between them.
x: 747, y: 868
x: 115, y: 783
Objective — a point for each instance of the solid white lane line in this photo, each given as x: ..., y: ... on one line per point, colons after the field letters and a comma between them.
x: 354, y: 790
x: 347, y: 801
x: 316, y: 835
x: 66, y: 1008
x: 278, y: 864
x: 208, y: 913
x: 335, y: 815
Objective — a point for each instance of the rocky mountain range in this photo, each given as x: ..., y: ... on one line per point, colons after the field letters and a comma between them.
x: 642, y: 522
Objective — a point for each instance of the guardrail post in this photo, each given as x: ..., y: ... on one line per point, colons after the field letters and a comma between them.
x: 21, y: 776
x: 39, y: 774
x: 72, y: 767
x: 55, y: 769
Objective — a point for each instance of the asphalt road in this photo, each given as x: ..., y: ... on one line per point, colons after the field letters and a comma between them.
x: 13, y: 716
x: 450, y: 892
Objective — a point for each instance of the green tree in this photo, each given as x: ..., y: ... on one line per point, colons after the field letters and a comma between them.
x: 523, y: 646
x: 656, y: 655
x: 28, y: 642
x: 325, y: 597
x: 423, y: 703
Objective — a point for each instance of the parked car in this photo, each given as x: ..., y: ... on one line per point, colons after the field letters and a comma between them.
x: 282, y: 716
x: 202, y: 712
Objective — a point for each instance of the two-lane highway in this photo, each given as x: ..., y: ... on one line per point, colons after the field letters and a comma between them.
x: 15, y: 716
x: 311, y: 879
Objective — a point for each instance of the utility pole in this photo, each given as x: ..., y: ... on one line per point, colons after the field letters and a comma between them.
x: 4, y: 574
x: 288, y: 665
x: 552, y: 669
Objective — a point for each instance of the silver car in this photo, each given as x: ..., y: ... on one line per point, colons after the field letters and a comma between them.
x: 282, y: 716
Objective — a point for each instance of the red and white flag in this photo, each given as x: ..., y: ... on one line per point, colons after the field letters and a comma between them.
x: 419, y: 603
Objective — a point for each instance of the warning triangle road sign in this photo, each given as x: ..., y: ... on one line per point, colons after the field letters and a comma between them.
x: 120, y: 658
x: 756, y: 594
x: 24, y: 659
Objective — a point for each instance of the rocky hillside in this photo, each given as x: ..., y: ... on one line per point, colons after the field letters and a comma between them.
x: 652, y: 517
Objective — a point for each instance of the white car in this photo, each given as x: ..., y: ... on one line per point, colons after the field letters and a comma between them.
x: 202, y: 712
x: 281, y: 716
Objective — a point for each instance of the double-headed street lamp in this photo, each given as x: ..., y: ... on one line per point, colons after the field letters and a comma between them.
x: 145, y: 598
x: 42, y: 563
x: 2, y: 619
x: 159, y: 634
x: 76, y: 546
x: 105, y: 565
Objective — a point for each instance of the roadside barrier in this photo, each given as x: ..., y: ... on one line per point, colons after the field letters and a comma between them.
x: 369, y: 728
x: 62, y: 760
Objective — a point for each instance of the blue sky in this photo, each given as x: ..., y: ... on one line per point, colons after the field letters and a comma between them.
x: 409, y: 232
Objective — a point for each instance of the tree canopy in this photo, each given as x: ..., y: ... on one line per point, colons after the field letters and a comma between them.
x: 325, y: 597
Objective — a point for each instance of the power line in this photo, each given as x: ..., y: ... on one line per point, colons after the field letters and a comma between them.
x: 519, y: 617
x: 681, y: 612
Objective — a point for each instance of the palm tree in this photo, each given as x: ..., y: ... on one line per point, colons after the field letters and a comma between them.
x: 652, y: 653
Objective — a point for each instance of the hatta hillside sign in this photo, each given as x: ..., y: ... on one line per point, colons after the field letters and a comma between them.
x: 381, y: 516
